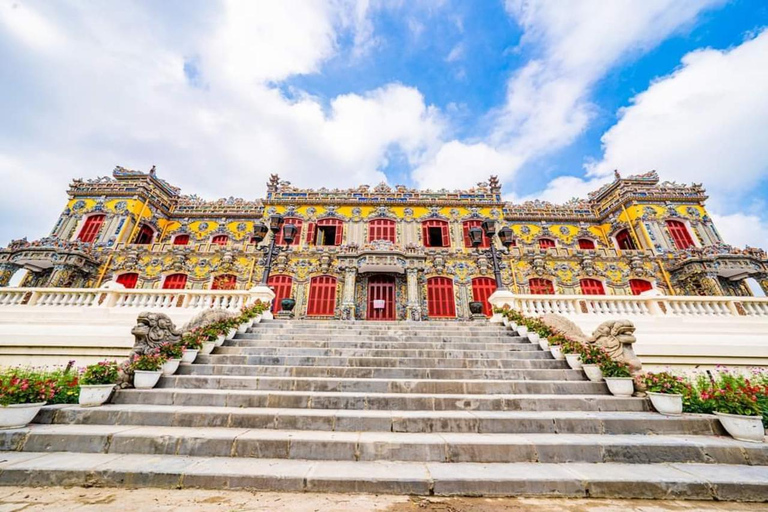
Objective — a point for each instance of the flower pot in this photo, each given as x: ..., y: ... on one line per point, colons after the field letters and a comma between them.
x: 189, y: 355
x: 231, y: 333
x: 574, y: 361
x: 504, y: 319
x: 620, y: 386
x: 513, y: 326
x: 533, y: 337
x: 18, y: 415
x: 544, y: 343
x: 219, y: 341
x: 257, y: 319
x: 593, y: 372
x: 143, y: 379
x: 557, y: 353
x: 208, y: 347
x: 250, y: 322
x: 522, y: 331
x: 92, y: 395
x: 243, y: 328
x: 170, y: 366
x: 743, y: 428
x: 670, y: 404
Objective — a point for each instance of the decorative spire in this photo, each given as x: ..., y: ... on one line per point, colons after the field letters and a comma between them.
x: 274, y: 181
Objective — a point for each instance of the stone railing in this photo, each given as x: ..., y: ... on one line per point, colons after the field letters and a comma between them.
x: 125, y: 298
x: 636, y: 306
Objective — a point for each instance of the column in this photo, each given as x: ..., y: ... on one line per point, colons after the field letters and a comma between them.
x: 762, y: 280
x: 413, y: 305
x: 7, y: 270
x: 348, y: 295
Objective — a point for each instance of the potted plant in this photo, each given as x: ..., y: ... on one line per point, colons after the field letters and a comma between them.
x: 97, y: 382
x: 23, y: 392
x: 617, y: 376
x: 572, y: 352
x: 229, y: 326
x: 555, y: 346
x: 591, y: 358
x: 147, y: 369
x: 735, y: 402
x: 665, y: 391
x: 212, y: 333
x: 173, y: 352
x: 192, y: 343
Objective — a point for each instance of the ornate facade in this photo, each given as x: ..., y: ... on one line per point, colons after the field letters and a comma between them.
x: 387, y: 252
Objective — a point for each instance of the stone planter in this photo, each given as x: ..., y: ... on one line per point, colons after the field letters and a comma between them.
x: 256, y: 320
x: 231, y: 333
x: 557, y: 353
x: 669, y: 404
x: 219, y: 341
x: 170, y: 367
x: 743, y: 428
x: 505, y: 321
x: 544, y: 343
x: 208, y: 347
x: 593, y: 372
x: 513, y: 326
x: 574, y: 361
x: 18, y: 415
x: 620, y: 386
x: 522, y: 331
x: 533, y: 337
x: 94, y: 394
x: 145, y: 380
x: 243, y: 328
x: 189, y: 355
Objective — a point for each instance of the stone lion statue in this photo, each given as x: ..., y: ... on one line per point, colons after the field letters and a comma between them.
x: 149, y: 333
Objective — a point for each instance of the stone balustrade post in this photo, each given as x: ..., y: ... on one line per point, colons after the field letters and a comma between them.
x: 413, y: 303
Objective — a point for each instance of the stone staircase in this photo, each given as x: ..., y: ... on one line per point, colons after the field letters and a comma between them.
x: 386, y: 407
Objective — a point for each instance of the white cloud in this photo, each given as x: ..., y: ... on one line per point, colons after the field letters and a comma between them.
x: 740, y: 229
x: 456, y: 53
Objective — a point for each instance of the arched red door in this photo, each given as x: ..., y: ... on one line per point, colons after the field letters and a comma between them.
x: 181, y: 240
x: 624, y: 240
x: 282, y: 286
x: 639, y: 286
x: 91, y: 228
x: 128, y: 280
x: 482, y: 288
x: 322, y: 296
x: 175, y: 282
x: 381, y: 298
x: 679, y: 234
x: 539, y: 286
x: 592, y: 287
x: 440, y: 300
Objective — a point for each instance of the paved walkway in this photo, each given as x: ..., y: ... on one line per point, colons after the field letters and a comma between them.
x: 160, y: 500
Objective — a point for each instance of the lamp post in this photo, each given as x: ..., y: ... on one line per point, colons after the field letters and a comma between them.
x: 272, y: 250
x: 505, y: 237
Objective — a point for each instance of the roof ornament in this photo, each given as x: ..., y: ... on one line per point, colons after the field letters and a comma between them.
x: 616, y: 174
x: 153, y: 171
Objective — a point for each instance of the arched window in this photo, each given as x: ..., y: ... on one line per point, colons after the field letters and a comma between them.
x: 220, y: 240
x: 181, y: 240
x: 679, y: 234
x: 469, y: 224
x: 624, y: 241
x: 381, y: 229
x: 482, y: 288
x: 280, y: 240
x: 128, y: 280
x: 224, y: 282
x: 435, y: 233
x: 91, y: 228
x: 282, y: 286
x: 440, y: 300
x: 639, y: 286
x: 322, y: 296
x: 585, y: 244
x: 175, y: 282
x: 145, y: 235
x: 592, y: 287
x: 546, y: 243
x: 328, y: 232
x: 540, y: 286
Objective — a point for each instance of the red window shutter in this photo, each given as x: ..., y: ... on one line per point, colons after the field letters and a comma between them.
x: 296, y: 239
x: 446, y: 237
x: 128, y: 280
x: 482, y: 288
x: 339, y: 233
x: 425, y: 233
x: 175, y: 282
x: 469, y: 224
x: 181, y: 240
x: 624, y: 240
x: 639, y: 286
x: 381, y: 229
x: 311, y: 233
x: 546, y: 243
x: 220, y: 240
x: 322, y: 296
x: 592, y: 287
x: 282, y: 286
x: 586, y: 244
x: 680, y: 235
x: 539, y: 286
x: 91, y: 228
x: 224, y: 282
x: 440, y: 299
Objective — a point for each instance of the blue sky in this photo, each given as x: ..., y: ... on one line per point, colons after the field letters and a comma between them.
x: 550, y: 95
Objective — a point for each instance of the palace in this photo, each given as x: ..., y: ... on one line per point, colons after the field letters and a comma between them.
x: 387, y: 252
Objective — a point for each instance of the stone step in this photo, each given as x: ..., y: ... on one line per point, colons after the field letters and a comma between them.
x: 370, y: 385
x: 379, y: 373
x: 614, y: 480
x: 391, y: 446
x: 540, y: 362
x: 438, y: 336
x: 378, y: 401
x: 378, y: 345
x: 524, y: 351
x: 371, y: 324
x: 480, y: 422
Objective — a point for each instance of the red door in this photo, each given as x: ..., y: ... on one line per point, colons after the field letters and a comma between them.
x: 175, y: 282
x: 128, y: 280
x: 322, y: 296
x: 91, y: 228
x: 440, y: 301
x: 482, y: 288
x: 639, y: 286
x: 592, y: 287
x: 282, y: 286
x: 381, y: 292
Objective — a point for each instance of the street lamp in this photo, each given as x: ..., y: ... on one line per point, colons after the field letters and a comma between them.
x: 505, y: 237
x: 271, y: 251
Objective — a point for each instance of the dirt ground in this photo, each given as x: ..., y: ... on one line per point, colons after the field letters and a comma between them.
x: 161, y: 500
